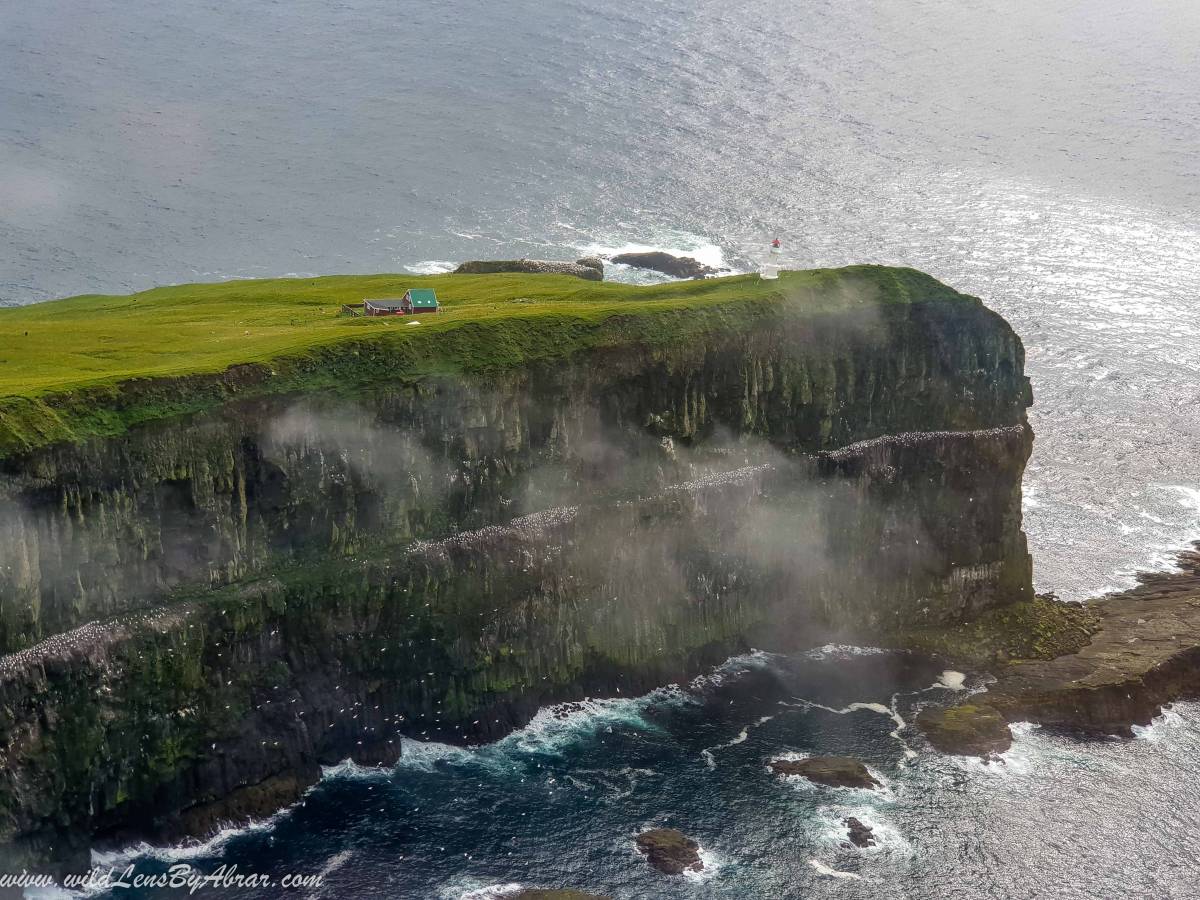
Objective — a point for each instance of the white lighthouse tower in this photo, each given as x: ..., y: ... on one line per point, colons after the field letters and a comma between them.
x: 770, y: 269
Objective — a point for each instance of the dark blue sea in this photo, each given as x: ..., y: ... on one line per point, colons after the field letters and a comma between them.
x: 1042, y: 154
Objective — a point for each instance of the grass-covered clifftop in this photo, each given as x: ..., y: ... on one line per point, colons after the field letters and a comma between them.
x: 95, y: 365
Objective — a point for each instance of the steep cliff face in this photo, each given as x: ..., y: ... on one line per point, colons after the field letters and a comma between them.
x: 287, y: 581
x: 87, y: 531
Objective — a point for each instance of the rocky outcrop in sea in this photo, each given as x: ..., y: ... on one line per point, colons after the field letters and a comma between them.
x: 667, y: 264
x: 589, y: 268
x: 831, y: 771
x: 670, y: 851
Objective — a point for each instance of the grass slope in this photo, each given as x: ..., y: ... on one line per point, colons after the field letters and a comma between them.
x: 94, y: 365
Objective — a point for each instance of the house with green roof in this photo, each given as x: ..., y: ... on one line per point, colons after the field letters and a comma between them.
x: 415, y: 300
x: 422, y: 300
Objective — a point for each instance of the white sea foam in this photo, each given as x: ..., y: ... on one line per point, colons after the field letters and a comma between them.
x: 843, y: 651
x: 549, y: 732
x: 55, y: 892
x: 459, y: 891
x: 712, y: 864
x: 825, y: 870
x: 431, y: 267
x: 732, y: 668
x: 349, y: 769
x: 835, y: 834
x: 1189, y: 497
x: 952, y: 680
x: 423, y: 756
x: 1169, y: 538
x: 1030, y: 496
x: 1160, y: 726
x: 745, y: 733
x: 790, y: 755
x: 335, y: 862
x: 188, y: 850
x: 860, y: 706
x: 741, y: 737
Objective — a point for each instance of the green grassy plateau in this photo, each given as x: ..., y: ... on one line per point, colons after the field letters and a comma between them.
x: 94, y: 365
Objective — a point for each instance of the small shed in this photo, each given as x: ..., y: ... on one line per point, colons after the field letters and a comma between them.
x: 415, y: 300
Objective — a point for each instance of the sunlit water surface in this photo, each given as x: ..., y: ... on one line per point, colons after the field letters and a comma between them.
x: 1038, y: 153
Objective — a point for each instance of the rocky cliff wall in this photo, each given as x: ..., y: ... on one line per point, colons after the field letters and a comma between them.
x: 204, y: 611
x: 91, y: 530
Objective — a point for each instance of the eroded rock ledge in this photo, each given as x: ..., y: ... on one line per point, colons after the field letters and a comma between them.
x: 1145, y: 652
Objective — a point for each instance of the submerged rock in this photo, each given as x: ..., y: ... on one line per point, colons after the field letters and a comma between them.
x: 860, y: 835
x: 541, y: 894
x: 588, y: 268
x: 967, y: 730
x: 670, y: 851
x: 675, y: 266
x: 833, y: 771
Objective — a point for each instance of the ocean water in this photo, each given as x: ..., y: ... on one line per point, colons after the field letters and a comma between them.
x: 1041, y: 154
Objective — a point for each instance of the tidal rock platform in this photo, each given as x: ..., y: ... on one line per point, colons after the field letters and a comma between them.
x: 1144, y: 653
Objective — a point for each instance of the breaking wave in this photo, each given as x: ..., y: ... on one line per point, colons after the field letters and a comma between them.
x: 188, y: 850
x: 431, y: 267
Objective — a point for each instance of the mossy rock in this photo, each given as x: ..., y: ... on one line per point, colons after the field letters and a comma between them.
x: 670, y: 851
x: 831, y: 771
x: 1041, y: 628
x: 966, y: 730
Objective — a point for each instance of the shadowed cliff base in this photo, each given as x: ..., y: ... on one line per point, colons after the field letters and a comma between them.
x: 1143, y: 651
